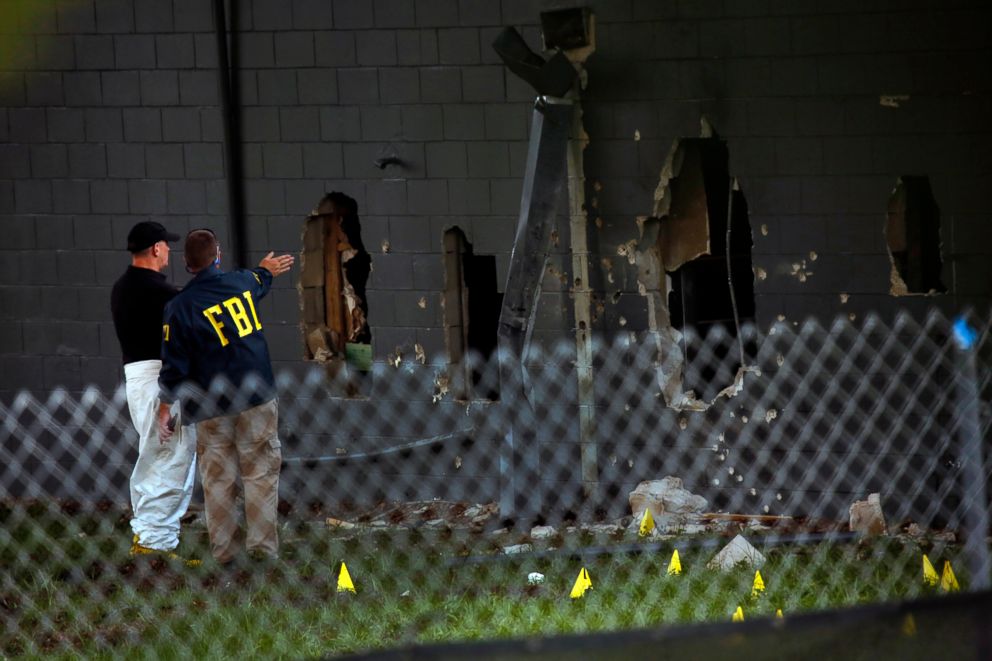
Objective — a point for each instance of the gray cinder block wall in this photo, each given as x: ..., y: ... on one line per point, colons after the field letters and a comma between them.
x: 109, y: 114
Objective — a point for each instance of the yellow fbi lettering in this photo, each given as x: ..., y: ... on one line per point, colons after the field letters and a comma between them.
x: 238, y: 314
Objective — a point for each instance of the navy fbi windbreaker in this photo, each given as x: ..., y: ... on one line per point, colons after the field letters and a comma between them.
x: 211, y: 329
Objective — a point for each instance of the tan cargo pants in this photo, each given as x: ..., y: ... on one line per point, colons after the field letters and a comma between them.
x: 246, y: 445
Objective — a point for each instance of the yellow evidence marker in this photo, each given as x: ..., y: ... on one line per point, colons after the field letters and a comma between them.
x: 948, y: 582
x: 582, y: 583
x: 778, y: 614
x: 647, y: 524
x: 344, y: 580
x: 929, y: 573
x: 675, y: 565
x: 909, y: 625
x: 758, y: 586
x: 738, y: 615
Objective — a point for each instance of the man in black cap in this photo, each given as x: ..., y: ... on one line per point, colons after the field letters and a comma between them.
x: 162, y: 480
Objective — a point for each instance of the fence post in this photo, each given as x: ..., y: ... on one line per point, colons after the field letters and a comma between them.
x: 976, y: 515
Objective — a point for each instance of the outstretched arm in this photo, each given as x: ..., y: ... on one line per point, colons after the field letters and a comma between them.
x: 276, y: 265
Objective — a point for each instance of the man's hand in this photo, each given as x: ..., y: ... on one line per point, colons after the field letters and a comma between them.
x: 166, y: 423
x: 276, y: 265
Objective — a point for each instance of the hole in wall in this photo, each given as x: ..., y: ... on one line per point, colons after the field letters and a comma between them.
x: 334, y: 273
x: 912, y: 234
x: 695, y: 253
x: 472, y: 305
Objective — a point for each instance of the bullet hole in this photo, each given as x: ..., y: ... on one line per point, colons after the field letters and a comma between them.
x: 912, y: 232
x: 472, y: 305
x: 335, y: 271
x: 844, y: 298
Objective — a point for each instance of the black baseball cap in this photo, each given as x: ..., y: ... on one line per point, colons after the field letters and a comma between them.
x: 146, y: 234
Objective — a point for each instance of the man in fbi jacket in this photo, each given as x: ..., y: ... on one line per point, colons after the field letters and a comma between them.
x: 212, y: 336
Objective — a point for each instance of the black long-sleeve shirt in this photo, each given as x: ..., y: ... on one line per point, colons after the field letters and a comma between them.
x: 137, y: 303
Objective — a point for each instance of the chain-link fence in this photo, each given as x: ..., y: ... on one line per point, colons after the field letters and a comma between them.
x: 462, y: 519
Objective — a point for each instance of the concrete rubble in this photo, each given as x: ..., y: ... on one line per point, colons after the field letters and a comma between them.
x: 674, y: 508
x: 867, y: 517
x: 738, y: 551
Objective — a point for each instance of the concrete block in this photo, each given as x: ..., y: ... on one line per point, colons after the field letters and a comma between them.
x: 277, y: 87
x: 428, y: 275
x: 468, y: 196
x: 294, y: 49
x: 180, y: 124
x: 62, y: 372
x: 393, y: 271
x: 773, y: 196
x: 142, y: 124
x: 43, y: 89
x: 407, y: 311
x: 39, y: 268
x: 27, y: 124
x: 793, y: 76
x: 6, y: 199
x: 446, y: 159
x: 422, y: 122
x: 479, y: 12
x: 211, y: 125
x: 55, y: 53
x: 70, y: 196
x: 507, y: 121
x: 186, y: 197
x: 387, y: 197
x: 134, y: 52
x: 441, y: 85
x: 159, y: 88
x: 146, y: 197
x: 204, y: 160
x: 175, y: 51
x: 92, y: 232
x: 271, y: 15
x: 87, y: 161
x: 458, y: 46
x: 317, y: 86
x: 399, y: 85
x: 350, y: 15
x: 42, y: 337
x: 323, y: 160
x: 33, y: 196
x: 299, y: 124
x: 153, y: 16
x: 251, y: 160
x: 798, y: 156
x: 282, y: 160
x: 505, y: 197
x: 376, y: 48
x: 193, y: 16
x: 481, y: 84
x: 78, y: 17
x: 312, y: 15
x: 427, y: 197
x: 265, y: 197
x: 260, y: 124
x: 217, y: 198
x: 416, y: 47
x: 19, y: 232
x: 108, y: 270
x: 358, y: 86
x: 164, y: 161
x: 125, y: 161
x: 381, y: 123
x: 205, y: 51
x: 771, y: 117
x: 436, y: 13
x: 410, y: 234
x: 463, y: 122
x: 394, y: 13
x: 94, y: 52
x: 198, y: 88
x: 75, y: 267
x: 335, y: 49
x: 115, y: 16
x: 82, y: 88
x: 257, y: 50
x: 104, y: 125
x: 769, y: 35
x: 48, y: 161
x: 11, y: 337
x: 121, y: 88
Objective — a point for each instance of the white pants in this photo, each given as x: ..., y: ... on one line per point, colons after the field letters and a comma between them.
x: 162, y: 481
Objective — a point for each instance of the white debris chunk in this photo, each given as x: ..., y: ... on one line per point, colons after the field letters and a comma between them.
x: 738, y: 551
